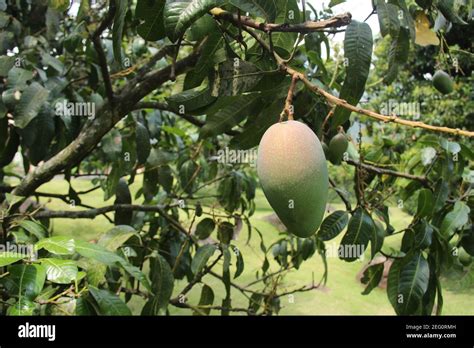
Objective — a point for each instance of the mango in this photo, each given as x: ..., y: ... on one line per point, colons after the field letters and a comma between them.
x: 443, y: 82
x: 337, y: 146
x: 293, y: 173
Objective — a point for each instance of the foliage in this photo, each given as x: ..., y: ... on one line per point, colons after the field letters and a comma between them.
x: 154, y: 92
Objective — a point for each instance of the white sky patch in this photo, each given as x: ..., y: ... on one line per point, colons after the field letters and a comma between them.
x: 359, y: 9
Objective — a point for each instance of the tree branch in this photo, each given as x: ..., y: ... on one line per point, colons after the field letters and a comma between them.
x: 306, y: 27
x: 382, y: 171
x: 165, y: 107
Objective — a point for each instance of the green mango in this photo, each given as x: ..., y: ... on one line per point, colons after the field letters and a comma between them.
x: 293, y: 173
x: 443, y: 82
x: 337, y: 146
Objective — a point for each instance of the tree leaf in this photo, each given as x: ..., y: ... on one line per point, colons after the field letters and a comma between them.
x: 377, y: 238
x: 240, y: 262
x: 115, y: 237
x: 455, y: 219
x: 397, y: 55
x: 423, y: 234
x: 151, y: 13
x: 388, y: 19
x: 162, y: 283
x: 59, y: 245
x: 371, y: 277
x: 333, y: 225
x: 206, y: 299
x: 203, y: 254
x: 25, y: 281
x: 22, y: 307
x: 7, y: 258
x: 441, y: 193
x: 412, y: 284
x: 358, y: 52
x: 234, y: 77
x: 60, y: 271
x: 288, y: 12
x: 35, y: 228
x: 179, y: 15
x: 117, y: 30
x: 262, y: 8
x: 355, y: 241
x: 234, y: 110
x: 143, y: 143
x: 109, y: 303
x: 425, y: 203
x: 30, y: 103
x: 447, y: 8
x: 204, y: 228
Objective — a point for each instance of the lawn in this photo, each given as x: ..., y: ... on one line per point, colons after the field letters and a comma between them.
x: 341, y: 295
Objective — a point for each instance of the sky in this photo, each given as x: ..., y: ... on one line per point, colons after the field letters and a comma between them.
x: 359, y: 10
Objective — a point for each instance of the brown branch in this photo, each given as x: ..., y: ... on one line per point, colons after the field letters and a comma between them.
x: 165, y: 107
x: 289, y: 109
x: 101, y: 54
x: 372, y: 114
x: 306, y: 27
x: 382, y: 171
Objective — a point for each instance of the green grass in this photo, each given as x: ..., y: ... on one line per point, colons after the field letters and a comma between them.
x: 341, y: 295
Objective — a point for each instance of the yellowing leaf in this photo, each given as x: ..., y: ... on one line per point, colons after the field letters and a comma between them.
x: 424, y: 35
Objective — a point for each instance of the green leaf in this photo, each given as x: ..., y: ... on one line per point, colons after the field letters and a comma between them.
x: 22, y: 307
x: 25, y: 281
x: 377, y: 238
x: 412, y: 284
x: 355, y: 241
x: 180, y: 14
x: 262, y: 8
x: 7, y: 258
x: 36, y: 229
x: 358, y: 52
x: 109, y: 303
x: 162, y: 283
x: 151, y: 13
x: 190, y: 100
x: 441, y: 193
x: 100, y: 254
x: 234, y: 77
x: 30, y: 103
x: 289, y: 12
x: 212, y: 54
x: 59, y: 245
x: 371, y: 277
x: 388, y: 19
x: 392, y: 283
x: 115, y: 237
x: 447, y: 8
x: 225, y: 232
x: 204, y: 228
x: 121, y: 8
x: 333, y: 225
x: 143, y: 143
x: 233, y: 111
x: 206, y: 299
x: 425, y: 203
x: 226, y: 302
x: 455, y: 219
x: 203, y: 255
x: 423, y: 234
x: 398, y: 55
x: 6, y: 63
x: 60, y: 271
x: 240, y: 262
